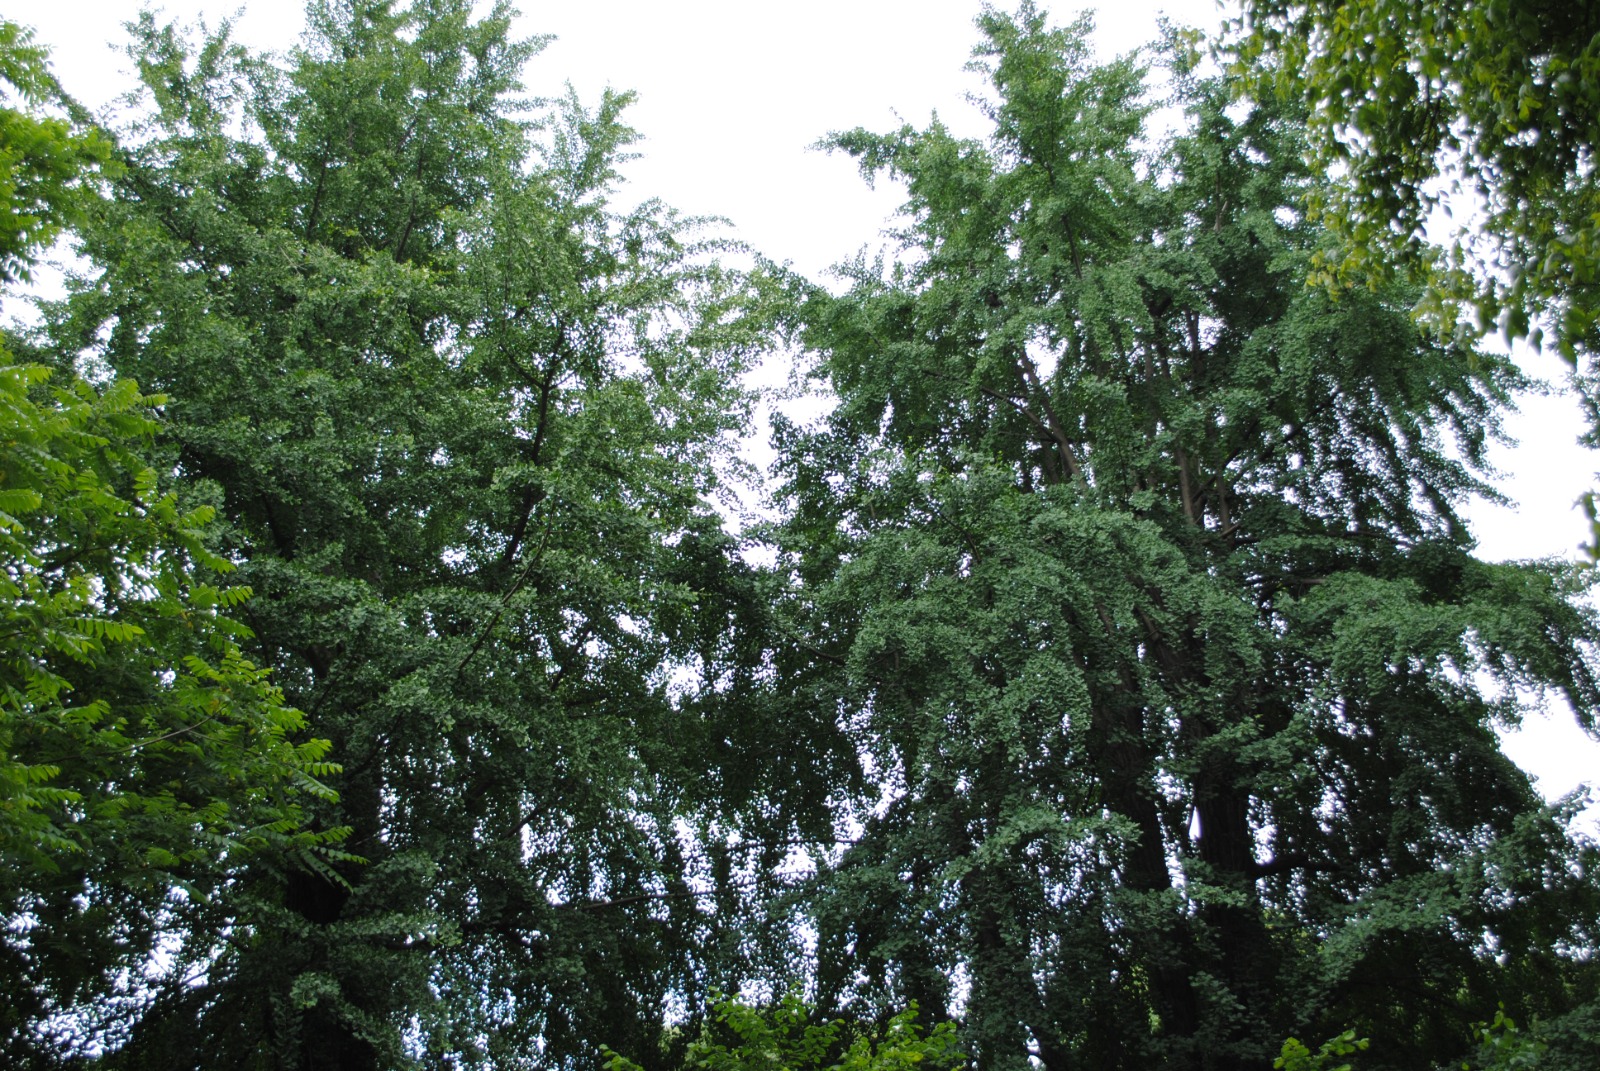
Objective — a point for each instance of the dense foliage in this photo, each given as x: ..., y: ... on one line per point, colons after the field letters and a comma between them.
x: 144, y: 756
x: 142, y: 751
x: 1114, y: 679
x: 1422, y: 100
x: 790, y: 1036
x: 1145, y: 599
x: 462, y: 420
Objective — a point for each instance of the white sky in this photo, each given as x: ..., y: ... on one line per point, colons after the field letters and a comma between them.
x: 732, y: 93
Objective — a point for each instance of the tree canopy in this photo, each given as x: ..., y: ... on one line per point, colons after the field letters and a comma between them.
x: 1144, y: 595
x: 1420, y: 102
x: 46, y: 163
x: 145, y: 757
x: 462, y: 421
x: 1114, y: 679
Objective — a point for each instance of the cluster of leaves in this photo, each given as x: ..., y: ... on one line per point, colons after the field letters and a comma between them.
x: 789, y: 1035
x: 46, y: 166
x: 1570, y: 1042
x: 128, y: 709
x: 1296, y: 1057
x: 1418, y: 101
x: 140, y: 751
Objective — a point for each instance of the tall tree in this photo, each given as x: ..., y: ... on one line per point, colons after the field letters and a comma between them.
x: 143, y: 758
x: 1139, y: 580
x: 462, y: 420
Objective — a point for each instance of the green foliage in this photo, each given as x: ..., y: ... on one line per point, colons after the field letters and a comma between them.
x: 462, y: 419
x: 790, y: 1036
x: 1503, y: 1047
x: 1137, y: 576
x: 142, y: 755
x: 143, y: 758
x: 128, y: 713
x: 1125, y: 673
x: 1296, y: 1057
x: 1498, y: 1045
x: 46, y: 167
x: 1415, y: 102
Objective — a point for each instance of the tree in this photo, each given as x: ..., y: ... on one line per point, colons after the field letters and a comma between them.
x: 1137, y: 576
x: 142, y: 756
x: 143, y: 753
x: 462, y: 420
x: 1416, y: 101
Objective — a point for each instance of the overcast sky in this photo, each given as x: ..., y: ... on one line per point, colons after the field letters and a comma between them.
x: 733, y: 92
